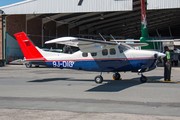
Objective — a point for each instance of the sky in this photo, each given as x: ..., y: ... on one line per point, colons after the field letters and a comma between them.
x: 9, y: 2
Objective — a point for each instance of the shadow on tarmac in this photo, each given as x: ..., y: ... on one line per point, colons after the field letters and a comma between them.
x: 60, y: 79
x: 109, y: 86
x: 49, y: 80
x: 155, y: 77
x: 116, y: 85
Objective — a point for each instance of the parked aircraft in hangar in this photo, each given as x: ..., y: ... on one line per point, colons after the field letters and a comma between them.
x: 153, y: 43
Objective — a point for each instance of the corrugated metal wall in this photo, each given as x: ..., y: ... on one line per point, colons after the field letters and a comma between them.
x: 67, y: 6
x: 162, y: 4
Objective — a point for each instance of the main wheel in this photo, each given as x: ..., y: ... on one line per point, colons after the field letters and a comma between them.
x: 98, y: 79
x: 143, y: 79
x: 116, y: 76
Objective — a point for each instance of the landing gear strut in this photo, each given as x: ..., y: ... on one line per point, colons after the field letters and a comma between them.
x: 116, y: 76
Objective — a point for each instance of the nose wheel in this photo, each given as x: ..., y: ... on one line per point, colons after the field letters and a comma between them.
x: 143, y: 78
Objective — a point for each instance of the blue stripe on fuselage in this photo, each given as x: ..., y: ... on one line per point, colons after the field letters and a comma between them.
x: 105, y: 65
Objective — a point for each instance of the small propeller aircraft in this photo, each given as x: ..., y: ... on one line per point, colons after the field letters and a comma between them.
x: 94, y: 55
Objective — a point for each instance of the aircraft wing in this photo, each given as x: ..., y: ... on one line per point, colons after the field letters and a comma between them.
x: 165, y: 40
x: 86, y: 45
x: 137, y: 44
x: 126, y: 40
x: 71, y: 41
x: 169, y: 40
x: 132, y: 44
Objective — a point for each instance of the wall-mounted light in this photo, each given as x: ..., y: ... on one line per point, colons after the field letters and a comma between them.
x: 102, y: 17
x: 124, y: 24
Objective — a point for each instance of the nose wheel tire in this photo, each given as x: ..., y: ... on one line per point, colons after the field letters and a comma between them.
x: 143, y: 79
x: 116, y: 76
x: 98, y: 79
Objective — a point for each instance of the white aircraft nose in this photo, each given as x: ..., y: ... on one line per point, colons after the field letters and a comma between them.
x: 161, y: 55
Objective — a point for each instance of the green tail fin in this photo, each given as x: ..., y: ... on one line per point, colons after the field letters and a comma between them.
x: 144, y: 30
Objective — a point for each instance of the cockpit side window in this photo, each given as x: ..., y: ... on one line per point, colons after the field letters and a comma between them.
x: 123, y: 47
x: 120, y: 50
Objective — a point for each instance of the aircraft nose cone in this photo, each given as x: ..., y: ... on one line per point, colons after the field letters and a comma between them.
x: 161, y: 55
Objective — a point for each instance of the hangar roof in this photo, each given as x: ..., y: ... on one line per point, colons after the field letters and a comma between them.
x: 163, y: 4
x: 164, y: 22
x: 67, y: 6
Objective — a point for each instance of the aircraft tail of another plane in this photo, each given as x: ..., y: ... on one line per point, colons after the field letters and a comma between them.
x: 144, y: 30
x: 28, y: 48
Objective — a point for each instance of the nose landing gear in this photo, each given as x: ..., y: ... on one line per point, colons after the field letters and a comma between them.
x: 143, y: 78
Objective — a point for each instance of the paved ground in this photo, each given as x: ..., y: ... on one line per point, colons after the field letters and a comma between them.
x: 50, y: 93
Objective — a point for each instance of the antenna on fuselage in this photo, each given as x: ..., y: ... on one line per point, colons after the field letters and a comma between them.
x: 113, y: 38
x: 102, y: 37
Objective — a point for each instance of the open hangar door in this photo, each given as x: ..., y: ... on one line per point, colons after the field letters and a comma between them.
x: 38, y: 18
x: 162, y: 23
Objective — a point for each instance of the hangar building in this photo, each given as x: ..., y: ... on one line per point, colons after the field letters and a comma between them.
x: 44, y: 20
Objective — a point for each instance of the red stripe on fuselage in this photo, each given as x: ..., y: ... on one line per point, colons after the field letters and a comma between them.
x: 106, y: 59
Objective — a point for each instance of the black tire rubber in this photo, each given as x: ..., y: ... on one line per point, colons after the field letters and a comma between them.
x: 116, y: 76
x: 98, y: 79
x: 143, y: 79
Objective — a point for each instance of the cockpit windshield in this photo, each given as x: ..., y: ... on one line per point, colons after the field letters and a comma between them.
x: 123, y: 47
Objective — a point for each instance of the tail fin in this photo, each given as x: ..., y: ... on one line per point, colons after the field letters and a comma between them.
x: 29, y: 50
x: 144, y: 30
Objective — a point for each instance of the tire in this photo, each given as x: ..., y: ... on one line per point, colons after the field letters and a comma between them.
x: 28, y: 65
x: 116, y: 76
x: 98, y: 79
x: 143, y: 79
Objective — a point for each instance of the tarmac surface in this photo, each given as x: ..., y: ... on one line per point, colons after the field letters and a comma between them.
x: 52, y: 93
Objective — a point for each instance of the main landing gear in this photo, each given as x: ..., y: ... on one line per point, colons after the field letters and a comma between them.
x: 116, y: 76
x: 99, y: 79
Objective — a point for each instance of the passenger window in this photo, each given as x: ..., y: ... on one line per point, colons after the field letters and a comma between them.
x: 112, y: 51
x: 84, y: 54
x: 104, y: 52
x: 94, y: 54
